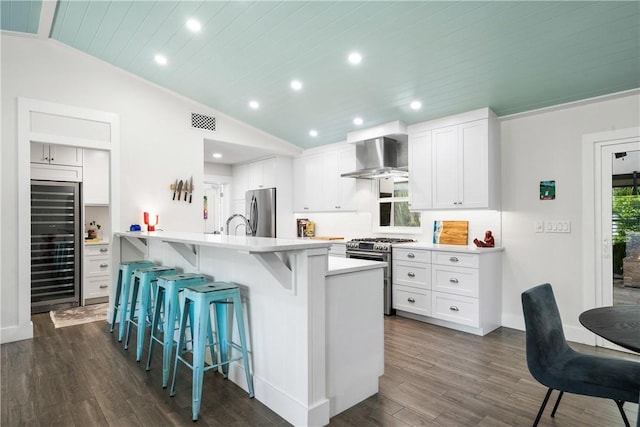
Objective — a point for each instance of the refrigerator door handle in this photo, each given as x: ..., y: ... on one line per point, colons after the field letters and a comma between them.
x: 254, y: 216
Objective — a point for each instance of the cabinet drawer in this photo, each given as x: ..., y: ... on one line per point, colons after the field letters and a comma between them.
x: 412, y: 274
x: 455, y: 308
x: 96, y: 250
x: 97, y: 266
x: 96, y: 287
x: 456, y: 280
x: 412, y: 255
x: 412, y: 300
x: 456, y: 258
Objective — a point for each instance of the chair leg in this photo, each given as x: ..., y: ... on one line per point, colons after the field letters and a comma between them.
x: 555, y: 407
x: 620, y: 403
x: 117, y: 302
x: 541, y: 410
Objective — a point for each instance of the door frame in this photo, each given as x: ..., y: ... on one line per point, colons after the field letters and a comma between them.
x: 595, y: 248
x: 26, y: 109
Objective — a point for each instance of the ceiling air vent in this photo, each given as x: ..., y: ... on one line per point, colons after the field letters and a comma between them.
x: 200, y: 121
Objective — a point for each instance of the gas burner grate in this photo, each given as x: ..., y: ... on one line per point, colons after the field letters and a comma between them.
x: 383, y: 240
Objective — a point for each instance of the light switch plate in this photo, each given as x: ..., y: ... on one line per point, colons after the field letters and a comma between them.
x: 562, y: 226
x: 539, y: 226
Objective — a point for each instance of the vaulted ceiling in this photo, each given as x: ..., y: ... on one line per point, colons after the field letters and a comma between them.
x: 449, y: 56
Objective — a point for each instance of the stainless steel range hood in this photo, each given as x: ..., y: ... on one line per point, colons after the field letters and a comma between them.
x: 380, y: 158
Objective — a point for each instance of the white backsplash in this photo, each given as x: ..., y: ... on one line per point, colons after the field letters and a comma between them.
x: 353, y: 225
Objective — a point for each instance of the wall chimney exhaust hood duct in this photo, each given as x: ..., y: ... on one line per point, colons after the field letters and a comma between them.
x: 380, y: 158
x: 381, y: 151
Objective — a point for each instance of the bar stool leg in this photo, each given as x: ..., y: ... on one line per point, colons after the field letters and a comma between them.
x: 186, y: 305
x: 159, y: 298
x: 126, y: 287
x: 200, y: 329
x: 222, y: 328
x: 237, y: 305
x: 132, y: 310
x: 114, y: 316
x: 143, y: 314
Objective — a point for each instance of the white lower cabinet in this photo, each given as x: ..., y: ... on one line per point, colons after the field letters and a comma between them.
x: 96, y: 279
x: 459, y: 290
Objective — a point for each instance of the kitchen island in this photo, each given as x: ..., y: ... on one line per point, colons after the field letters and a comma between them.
x: 315, y: 324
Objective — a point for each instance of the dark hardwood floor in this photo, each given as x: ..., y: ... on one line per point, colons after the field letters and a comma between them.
x: 81, y: 376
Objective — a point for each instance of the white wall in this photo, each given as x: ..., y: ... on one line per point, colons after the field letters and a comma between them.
x: 157, y: 143
x: 548, y: 146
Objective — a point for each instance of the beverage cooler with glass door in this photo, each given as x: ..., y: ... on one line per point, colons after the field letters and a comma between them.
x: 55, y: 245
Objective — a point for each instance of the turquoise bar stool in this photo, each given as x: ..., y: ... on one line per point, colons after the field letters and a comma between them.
x: 144, y: 282
x: 122, y: 293
x: 201, y: 297
x: 167, y: 306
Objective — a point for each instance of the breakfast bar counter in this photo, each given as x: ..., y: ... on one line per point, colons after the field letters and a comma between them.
x: 314, y: 350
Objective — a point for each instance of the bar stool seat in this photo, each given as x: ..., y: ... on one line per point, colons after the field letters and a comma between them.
x: 201, y: 297
x: 144, y: 282
x: 123, y: 287
x: 167, y: 305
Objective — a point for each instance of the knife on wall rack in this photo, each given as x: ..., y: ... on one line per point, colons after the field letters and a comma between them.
x: 175, y: 189
x: 190, y: 189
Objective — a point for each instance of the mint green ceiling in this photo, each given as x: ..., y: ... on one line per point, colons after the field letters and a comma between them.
x: 20, y: 16
x: 452, y: 56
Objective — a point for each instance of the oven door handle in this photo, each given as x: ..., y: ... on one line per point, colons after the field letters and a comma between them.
x: 368, y: 255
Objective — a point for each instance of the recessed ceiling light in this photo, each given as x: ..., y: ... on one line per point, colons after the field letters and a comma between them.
x: 357, y: 121
x: 355, y: 58
x: 194, y: 25
x: 416, y: 105
x: 296, y: 85
x: 160, y: 59
x: 254, y: 104
x: 313, y: 132
x: 217, y: 155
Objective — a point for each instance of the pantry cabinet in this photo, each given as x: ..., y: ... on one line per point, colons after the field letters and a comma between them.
x: 318, y: 186
x: 254, y: 175
x: 454, y: 162
x: 457, y: 289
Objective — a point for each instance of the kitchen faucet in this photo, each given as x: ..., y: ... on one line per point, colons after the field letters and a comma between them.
x: 246, y: 224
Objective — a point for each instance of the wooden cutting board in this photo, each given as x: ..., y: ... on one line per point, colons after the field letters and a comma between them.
x: 450, y: 232
x: 327, y: 238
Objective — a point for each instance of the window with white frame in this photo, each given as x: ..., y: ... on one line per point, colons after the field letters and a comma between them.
x: 393, y: 206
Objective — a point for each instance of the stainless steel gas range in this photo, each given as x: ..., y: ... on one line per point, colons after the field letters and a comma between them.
x: 376, y: 249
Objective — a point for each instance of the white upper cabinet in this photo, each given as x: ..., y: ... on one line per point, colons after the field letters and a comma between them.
x: 338, y: 192
x: 95, y: 177
x: 55, y: 154
x: 318, y: 186
x: 307, y: 183
x: 420, y: 170
x: 261, y: 174
x: 463, y: 170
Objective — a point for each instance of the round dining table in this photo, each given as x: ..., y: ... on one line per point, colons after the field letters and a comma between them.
x: 619, y: 324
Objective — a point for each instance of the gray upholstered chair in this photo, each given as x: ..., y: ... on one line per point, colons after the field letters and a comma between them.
x: 557, y: 366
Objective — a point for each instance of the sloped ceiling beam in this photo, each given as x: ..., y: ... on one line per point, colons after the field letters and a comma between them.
x: 46, y: 18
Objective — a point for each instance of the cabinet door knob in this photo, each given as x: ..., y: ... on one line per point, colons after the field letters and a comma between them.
x: 411, y: 274
x: 453, y: 259
x: 104, y: 265
x: 454, y: 308
x: 410, y: 255
x: 103, y: 250
x: 453, y: 280
x: 411, y: 300
x: 104, y: 286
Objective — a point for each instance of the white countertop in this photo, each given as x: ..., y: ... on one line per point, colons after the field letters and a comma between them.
x: 446, y: 248
x: 339, y: 265
x: 241, y: 243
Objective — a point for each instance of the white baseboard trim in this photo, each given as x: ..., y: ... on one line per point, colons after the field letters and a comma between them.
x: 288, y: 407
x: 16, y: 333
x: 572, y: 333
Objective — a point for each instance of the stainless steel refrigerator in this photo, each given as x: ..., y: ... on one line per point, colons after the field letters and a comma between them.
x: 261, y: 212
